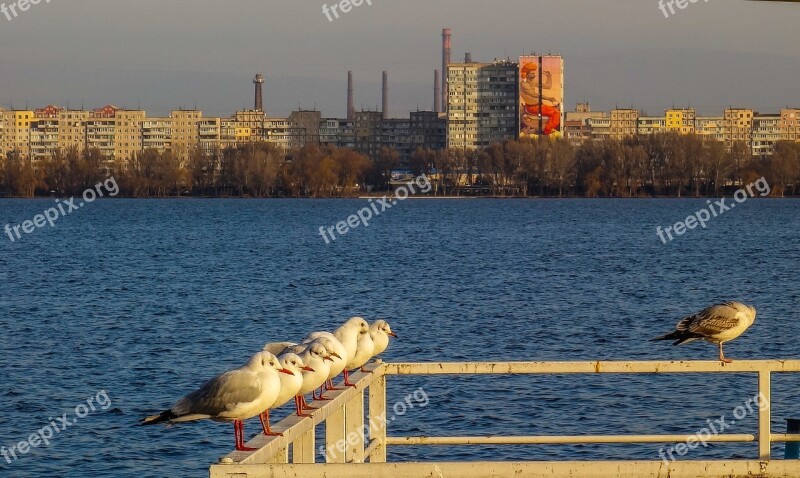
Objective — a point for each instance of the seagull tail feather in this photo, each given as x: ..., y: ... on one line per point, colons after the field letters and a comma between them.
x: 162, y: 417
x: 679, y: 337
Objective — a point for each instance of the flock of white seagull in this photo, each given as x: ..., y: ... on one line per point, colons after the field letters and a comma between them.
x: 282, y: 371
x: 285, y: 370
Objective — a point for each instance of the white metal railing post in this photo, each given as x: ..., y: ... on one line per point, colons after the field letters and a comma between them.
x: 335, y: 437
x: 764, y: 415
x: 303, y: 448
x: 377, y: 419
x: 354, y: 429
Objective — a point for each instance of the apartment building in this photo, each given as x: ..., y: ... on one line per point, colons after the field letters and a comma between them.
x: 483, y: 103
x: 624, y: 123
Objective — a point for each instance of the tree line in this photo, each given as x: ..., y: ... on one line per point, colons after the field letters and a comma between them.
x: 667, y: 164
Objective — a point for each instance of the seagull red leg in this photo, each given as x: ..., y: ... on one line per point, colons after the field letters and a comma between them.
x: 329, y: 385
x: 320, y: 397
x: 305, y: 404
x: 238, y: 427
x: 347, y: 379
x: 264, y: 417
x: 299, y: 406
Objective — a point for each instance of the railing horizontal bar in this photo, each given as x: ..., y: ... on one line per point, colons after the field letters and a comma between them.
x: 293, y: 427
x: 533, y: 469
x: 565, y: 440
x: 623, y: 367
x: 785, y: 437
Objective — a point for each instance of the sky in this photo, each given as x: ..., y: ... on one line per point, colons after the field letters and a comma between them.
x: 161, y: 55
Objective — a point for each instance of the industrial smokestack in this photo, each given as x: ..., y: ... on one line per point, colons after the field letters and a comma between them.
x: 437, y: 92
x: 385, y: 95
x: 259, y: 82
x: 351, y: 109
x: 447, y: 35
x: 467, y: 57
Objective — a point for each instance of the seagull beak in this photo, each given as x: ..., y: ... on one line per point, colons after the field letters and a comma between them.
x: 308, y: 369
x: 334, y: 354
x: 328, y: 358
x: 286, y: 371
x: 393, y: 335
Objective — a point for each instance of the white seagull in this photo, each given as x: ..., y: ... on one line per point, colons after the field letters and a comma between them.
x: 317, y: 357
x: 364, y: 352
x: 290, y: 386
x: 233, y: 396
x: 371, y: 344
x: 347, y: 335
x: 716, y: 324
x: 380, y: 331
x: 336, y: 352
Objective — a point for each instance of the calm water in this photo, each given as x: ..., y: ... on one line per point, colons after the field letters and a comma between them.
x: 147, y: 299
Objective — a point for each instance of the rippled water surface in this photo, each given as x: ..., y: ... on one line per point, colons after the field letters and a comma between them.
x: 146, y: 299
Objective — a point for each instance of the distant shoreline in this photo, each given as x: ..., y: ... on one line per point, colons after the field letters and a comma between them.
x: 428, y: 198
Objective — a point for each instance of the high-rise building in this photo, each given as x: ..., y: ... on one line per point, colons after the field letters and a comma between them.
x: 307, y: 123
x: 209, y: 135
x: 128, y: 136
x: 738, y: 126
x: 483, y: 103
x: 367, y: 128
x: 428, y: 130
x: 790, y: 124
x: 185, y: 131
x: 766, y: 132
x: 157, y: 134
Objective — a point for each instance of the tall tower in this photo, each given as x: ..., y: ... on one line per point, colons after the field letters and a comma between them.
x: 351, y: 108
x: 259, y: 82
x: 385, y: 108
x: 447, y: 35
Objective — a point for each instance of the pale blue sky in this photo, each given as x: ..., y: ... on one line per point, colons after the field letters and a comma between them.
x: 163, y: 54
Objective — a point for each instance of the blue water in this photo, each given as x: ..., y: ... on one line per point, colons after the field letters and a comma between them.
x: 144, y: 300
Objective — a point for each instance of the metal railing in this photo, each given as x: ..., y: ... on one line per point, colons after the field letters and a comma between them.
x: 352, y: 438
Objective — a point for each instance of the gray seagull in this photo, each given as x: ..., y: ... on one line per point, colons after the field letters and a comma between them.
x: 717, y: 324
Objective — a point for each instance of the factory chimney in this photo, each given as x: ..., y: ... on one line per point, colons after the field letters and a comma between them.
x: 447, y: 35
x: 385, y: 95
x: 259, y: 82
x: 351, y: 109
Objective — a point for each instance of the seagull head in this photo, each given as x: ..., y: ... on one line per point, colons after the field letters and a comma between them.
x: 271, y: 361
x: 318, y: 351
x: 330, y: 347
x: 294, y: 363
x: 381, y: 327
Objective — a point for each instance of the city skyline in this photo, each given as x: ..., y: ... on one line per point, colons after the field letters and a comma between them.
x: 707, y: 57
